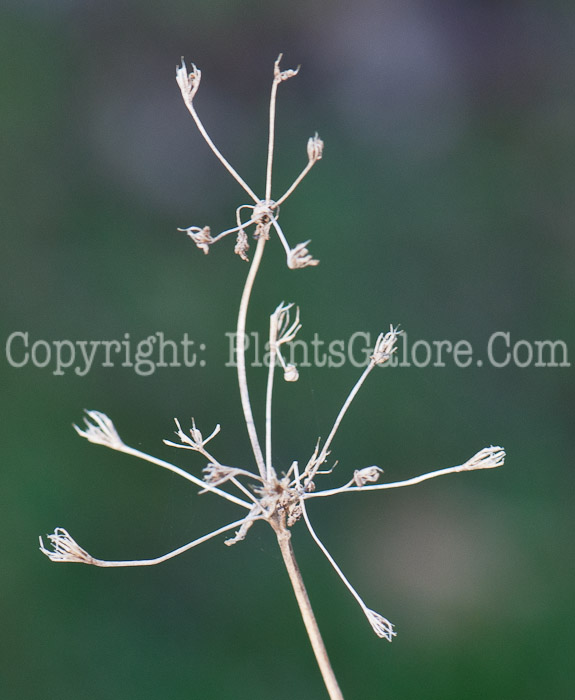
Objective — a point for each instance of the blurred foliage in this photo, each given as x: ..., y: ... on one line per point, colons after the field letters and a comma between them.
x: 444, y: 202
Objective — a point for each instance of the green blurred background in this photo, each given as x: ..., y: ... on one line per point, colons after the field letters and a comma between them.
x: 444, y: 202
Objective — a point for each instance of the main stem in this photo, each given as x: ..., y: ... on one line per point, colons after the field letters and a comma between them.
x: 241, y: 356
x: 284, y: 541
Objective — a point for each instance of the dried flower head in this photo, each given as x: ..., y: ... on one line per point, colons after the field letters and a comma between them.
x: 291, y: 373
x: 487, y: 458
x: 281, y: 75
x: 367, y: 475
x: 314, y: 148
x: 202, y: 237
x: 100, y: 430
x: 382, y: 627
x: 65, y: 548
x: 195, y: 440
x: 188, y: 82
x: 385, y: 346
x: 242, y: 245
x: 300, y: 257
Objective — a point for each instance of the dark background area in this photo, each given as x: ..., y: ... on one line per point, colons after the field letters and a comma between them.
x: 444, y: 203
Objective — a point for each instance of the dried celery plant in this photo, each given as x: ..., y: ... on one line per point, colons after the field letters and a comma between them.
x: 262, y: 493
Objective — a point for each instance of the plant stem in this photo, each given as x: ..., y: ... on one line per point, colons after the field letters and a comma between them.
x: 352, y: 394
x: 284, y: 540
x: 269, y: 392
x: 241, y: 356
x: 271, y: 137
x: 190, y: 477
x: 233, y: 172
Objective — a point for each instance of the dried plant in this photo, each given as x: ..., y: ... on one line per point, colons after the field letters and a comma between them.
x: 263, y: 494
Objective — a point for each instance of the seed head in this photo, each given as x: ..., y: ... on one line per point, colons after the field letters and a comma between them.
x: 279, y: 75
x: 381, y: 626
x: 366, y: 475
x: 300, y: 257
x: 487, y: 458
x: 290, y: 373
x: 100, y: 430
x: 65, y: 548
x: 202, y: 237
x: 188, y: 82
x: 385, y: 346
x: 314, y: 148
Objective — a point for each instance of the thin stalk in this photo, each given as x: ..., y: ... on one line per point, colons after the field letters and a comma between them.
x: 296, y: 182
x: 269, y: 393
x: 331, y: 560
x: 241, y: 356
x: 392, y: 485
x: 284, y: 541
x: 235, y: 229
x: 233, y: 172
x: 244, y: 490
x: 352, y: 394
x: 280, y: 233
x: 271, y: 136
x: 158, y: 560
x: 190, y: 477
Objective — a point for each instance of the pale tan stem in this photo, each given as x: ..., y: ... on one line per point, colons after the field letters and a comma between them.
x: 315, y: 465
x: 271, y: 137
x: 170, y: 555
x: 241, y: 356
x: 296, y: 182
x: 233, y: 172
x: 269, y: 393
x: 284, y: 541
x: 406, y: 482
x: 190, y: 477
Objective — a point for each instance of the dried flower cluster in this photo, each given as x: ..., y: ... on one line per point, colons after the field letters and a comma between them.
x: 263, y: 493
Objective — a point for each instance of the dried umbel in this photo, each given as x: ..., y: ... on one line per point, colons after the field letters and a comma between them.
x: 264, y: 492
